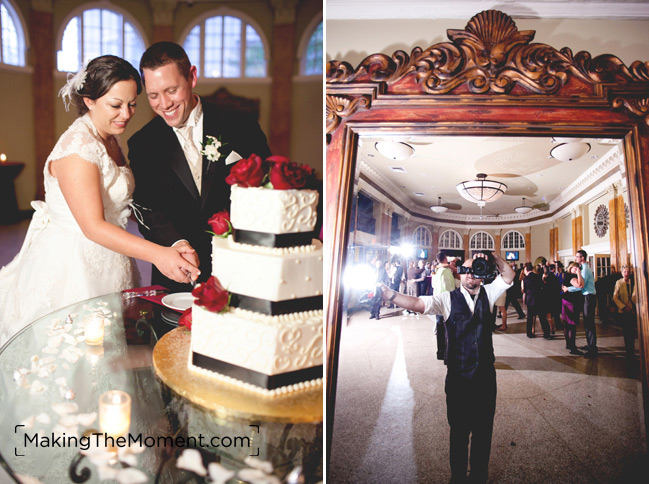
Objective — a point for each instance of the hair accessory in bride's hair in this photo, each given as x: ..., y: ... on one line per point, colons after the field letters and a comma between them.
x: 75, y: 84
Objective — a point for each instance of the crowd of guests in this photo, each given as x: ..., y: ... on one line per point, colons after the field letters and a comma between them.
x: 559, y: 297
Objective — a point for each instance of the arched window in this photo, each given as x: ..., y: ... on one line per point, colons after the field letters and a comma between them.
x: 311, y: 52
x: 226, y: 46
x: 513, y: 240
x: 12, y: 39
x: 98, y: 31
x: 450, y: 240
x: 481, y: 241
x: 422, y: 237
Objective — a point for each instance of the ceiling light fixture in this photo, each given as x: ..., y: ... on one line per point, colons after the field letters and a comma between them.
x: 439, y: 208
x: 481, y: 191
x: 523, y: 208
x: 570, y: 151
x: 395, y: 150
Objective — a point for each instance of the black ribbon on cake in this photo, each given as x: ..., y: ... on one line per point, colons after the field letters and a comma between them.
x: 269, y: 382
x: 272, y: 240
x: 274, y: 308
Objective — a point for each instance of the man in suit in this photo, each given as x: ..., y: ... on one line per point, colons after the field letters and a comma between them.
x: 177, y: 189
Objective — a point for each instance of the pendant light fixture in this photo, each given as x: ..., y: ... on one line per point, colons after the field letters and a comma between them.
x: 481, y: 190
x: 439, y: 208
x: 523, y: 208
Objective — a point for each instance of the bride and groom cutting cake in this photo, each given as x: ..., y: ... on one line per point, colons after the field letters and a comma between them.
x: 77, y: 246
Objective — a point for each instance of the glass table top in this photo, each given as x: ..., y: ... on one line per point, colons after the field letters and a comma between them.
x: 50, y: 384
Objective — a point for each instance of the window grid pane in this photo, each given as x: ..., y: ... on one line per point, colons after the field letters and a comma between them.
x: 450, y: 240
x: 192, y: 46
x: 482, y: 241
x: 513, y: 240
x: 255, y: 62
x: 232, y: 47
x: 105, y: 32
x: 422, y: 237
x: 12, y: 45
x: 213, y: 46
x: 229, y: 47
x: 313, y: 61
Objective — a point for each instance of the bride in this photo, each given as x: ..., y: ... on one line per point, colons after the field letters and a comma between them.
x: 76, y: 246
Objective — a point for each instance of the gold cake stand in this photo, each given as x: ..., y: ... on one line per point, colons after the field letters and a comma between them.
x: 170, y: 357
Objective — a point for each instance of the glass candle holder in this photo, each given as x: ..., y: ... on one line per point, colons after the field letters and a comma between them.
x: 115, y: 413
x: 94, y: 330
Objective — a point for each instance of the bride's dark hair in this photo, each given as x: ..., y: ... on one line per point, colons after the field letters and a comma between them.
x: 101, y: 74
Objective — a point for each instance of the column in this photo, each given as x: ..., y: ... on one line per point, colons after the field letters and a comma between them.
x: 497, y: 242
x: 42, y: 51
x: 465, y: 244
x: 163, y: 13
x: 617, y: 227
x: 434, y: 242
x: 528, y: 245
x: 282, y: 62
x: 577, y: 230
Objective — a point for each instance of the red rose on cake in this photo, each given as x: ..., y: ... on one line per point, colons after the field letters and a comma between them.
x: 289, y: 175
x: 211, y: 295
x: 220, y: 223
x: 186, y: 319
x: 277, y: 172
x: 248, y: 172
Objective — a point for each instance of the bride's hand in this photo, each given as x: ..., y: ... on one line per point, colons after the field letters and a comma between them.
x: 187, y: 252
x: 173, y: 265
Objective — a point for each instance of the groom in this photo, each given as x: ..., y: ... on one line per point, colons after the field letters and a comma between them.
x: 177, y: 189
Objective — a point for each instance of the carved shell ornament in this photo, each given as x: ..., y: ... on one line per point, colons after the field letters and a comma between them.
x: 489, y: 56
x: 600, y: 221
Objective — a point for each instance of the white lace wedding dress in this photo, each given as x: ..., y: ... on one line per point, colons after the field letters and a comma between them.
x: 57, y: 265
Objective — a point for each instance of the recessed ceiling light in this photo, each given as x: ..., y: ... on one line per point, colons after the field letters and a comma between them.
x: 419, y: 194
x: 398, y: 169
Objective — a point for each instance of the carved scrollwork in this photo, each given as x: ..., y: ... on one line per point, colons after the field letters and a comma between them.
x: 339, y: 107
x: 490, y: 55
x: 637, y: 106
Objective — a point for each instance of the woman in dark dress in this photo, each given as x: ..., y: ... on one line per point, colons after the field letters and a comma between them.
x: 571, y: 305
x: 534, y: 300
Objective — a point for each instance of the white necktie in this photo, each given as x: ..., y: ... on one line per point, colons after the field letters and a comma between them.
x: 194, y: 158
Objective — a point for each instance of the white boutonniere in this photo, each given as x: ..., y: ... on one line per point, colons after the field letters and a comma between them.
x: 211, y: 148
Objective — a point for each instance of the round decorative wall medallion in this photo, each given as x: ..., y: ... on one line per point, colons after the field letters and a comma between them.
x: 601, y: 221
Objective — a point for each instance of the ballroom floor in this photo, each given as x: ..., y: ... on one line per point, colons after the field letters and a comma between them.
x: 559, y: 418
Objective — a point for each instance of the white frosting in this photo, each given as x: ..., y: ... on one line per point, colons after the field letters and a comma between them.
x: 273, y: 211
x: 267, y: 344
x: 267, y: 273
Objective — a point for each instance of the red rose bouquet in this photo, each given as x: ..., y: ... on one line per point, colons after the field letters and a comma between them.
x: 277, y: 172
x: 211, y: 295
x: 186, y: 319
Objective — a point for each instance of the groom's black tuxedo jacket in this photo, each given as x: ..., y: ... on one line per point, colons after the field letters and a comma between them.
x: 165, y: 191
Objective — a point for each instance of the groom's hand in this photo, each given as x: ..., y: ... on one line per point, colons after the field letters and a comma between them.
x: 188, y: 252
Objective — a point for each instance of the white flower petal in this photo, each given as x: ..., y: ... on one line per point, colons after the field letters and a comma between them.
x: 43, y: 418
x: 218, y: 473
x: 86, y: 419
x: 262, y: 465
x: 131, y: 476
x: 191, y: 460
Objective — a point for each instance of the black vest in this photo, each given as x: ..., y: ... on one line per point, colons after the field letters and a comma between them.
x: 469, y: 336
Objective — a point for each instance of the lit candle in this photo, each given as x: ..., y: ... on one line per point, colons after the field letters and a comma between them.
x: 3, y: 157
x: 115, y: 413
x: 94, y: 331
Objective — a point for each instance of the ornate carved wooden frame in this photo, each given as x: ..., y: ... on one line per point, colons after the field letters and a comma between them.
x: 490, y: 79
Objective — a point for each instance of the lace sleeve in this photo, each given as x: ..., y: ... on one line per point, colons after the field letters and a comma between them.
x: 80, y: 140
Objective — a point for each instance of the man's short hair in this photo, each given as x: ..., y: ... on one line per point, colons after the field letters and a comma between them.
x: 583, y: 253
x: 441, y: 256
x: 163, y: 53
